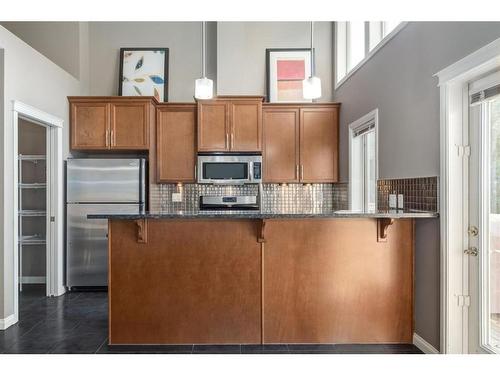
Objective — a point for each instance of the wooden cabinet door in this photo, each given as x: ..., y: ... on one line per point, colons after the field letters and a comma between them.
x: 330, y: 281
x: 281, y: 144
x: 319, y: 144
x: 246, y: 126
x: 176, y: 143
x: 186, y: 285
x: 89, y: 126
x: 213, y: 126
x: 130, y: 122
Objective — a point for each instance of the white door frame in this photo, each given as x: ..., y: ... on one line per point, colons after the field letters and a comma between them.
x: 55, y: 248
x: 454, y: 152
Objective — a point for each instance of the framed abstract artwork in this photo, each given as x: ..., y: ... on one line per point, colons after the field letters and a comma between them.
x: 286, y: 69
x: 144, y: 72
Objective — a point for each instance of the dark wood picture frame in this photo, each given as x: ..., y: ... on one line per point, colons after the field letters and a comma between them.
x: 165, y: 73
x: 268, y: 72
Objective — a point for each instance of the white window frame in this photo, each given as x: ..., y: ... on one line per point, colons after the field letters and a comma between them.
x: 353, y: 127
x: 342, y: 47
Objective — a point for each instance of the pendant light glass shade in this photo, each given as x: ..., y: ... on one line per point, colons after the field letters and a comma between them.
x: 311, y: 87
x: 203, y: 87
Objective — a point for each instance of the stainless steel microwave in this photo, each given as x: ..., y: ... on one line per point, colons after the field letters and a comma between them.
x: 229, y: 169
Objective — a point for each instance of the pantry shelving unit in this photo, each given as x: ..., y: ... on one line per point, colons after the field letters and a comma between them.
x: 31, y: 208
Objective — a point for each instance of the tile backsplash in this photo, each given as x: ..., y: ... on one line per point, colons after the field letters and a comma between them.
x: 282, y: 198
x: 420, y: 193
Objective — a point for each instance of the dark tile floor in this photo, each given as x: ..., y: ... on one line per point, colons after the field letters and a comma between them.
x: 77, y: 323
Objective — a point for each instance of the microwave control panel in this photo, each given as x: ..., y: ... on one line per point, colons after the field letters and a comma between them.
x: 257, y: 170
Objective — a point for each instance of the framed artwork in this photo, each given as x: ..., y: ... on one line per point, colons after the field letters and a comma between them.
x: 285, y: 70
x: 144, y: 72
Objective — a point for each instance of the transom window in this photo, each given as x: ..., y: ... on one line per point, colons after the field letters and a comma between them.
x: 356, y: 41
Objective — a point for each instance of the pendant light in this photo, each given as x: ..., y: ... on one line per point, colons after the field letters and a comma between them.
x: 312, y: 86
x: 203, y: 87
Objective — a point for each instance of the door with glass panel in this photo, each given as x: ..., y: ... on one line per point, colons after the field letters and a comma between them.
x: 482, y: 257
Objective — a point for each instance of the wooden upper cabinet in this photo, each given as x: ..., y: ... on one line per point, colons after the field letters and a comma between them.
x: 89, y: 126
x: 176, y: 143
x: 130, y: 124
x: 246, y: 126
x: 230, y: 124
x: 281, y: 144
x: 213, y: 125
x: 319, y: 144
x: 111, y: 123
x: 301, y: 143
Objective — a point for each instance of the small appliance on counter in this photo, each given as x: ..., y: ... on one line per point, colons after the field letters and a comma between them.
x: 96, y: 186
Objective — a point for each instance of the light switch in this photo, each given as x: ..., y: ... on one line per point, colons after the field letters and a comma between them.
x: 176, y: 197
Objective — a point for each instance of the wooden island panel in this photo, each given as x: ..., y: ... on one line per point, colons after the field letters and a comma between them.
x: 330, y: 281
x: 193, y: 281
x: 210, y: 281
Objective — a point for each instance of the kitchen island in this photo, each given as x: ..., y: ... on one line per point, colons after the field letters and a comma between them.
x: 198, y: 278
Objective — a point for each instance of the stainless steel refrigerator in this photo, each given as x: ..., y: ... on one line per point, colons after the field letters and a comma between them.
x: 97, y: 186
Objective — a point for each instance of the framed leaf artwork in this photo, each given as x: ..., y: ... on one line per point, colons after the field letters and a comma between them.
x: 285, y: 71
x: 144, y: 72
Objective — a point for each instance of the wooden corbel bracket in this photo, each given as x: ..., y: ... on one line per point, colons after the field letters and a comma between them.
x: 142, y: 230
x: 262, y: 234
x: 382, y: 227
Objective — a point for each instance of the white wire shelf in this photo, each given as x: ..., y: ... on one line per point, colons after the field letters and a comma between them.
x: 33, y: 239
x: 34, y: 185
x: 32, y: 157
x: 32, y: 213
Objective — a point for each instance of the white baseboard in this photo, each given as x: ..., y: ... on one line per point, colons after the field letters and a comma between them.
x: 7, y: 322
x: 423, y: 345
x: 33, y: 279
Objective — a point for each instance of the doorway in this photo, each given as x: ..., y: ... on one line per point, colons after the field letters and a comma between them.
x: 54, y: 199
x: 483, y: 251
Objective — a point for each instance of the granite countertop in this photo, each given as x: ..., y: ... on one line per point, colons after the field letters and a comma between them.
x: 392, y: 214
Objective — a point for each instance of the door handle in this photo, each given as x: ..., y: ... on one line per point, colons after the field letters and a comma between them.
x: 471, y: 251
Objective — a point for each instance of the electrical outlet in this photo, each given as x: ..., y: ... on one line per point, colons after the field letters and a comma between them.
x: 176, y: 197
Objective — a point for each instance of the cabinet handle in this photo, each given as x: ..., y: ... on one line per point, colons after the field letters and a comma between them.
x: 296, y: 171
x: 227, y: 140
x: 232, y: 140
x: 302, y: 171
x: 107, y: 138
x: 112, y: 141
x: 195, y: 172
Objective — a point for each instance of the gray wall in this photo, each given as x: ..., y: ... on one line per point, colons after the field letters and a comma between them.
x: 398, y: 80
x: 58, y: 41
x: 241, y: 53
x: 182, y: 38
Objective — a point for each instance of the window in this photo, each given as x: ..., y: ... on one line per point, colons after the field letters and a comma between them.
x: 363, y: 163
x: 356, y: 41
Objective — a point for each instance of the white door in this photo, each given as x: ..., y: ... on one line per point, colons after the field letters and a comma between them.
x: 482, y: 257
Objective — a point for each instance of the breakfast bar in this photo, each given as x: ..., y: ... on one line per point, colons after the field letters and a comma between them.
x: 252, y: 278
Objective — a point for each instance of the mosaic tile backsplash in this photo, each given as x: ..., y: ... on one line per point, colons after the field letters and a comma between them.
x: 276, y: 198
x: 419, y: 193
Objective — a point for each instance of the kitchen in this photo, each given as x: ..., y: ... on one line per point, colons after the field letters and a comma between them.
x: 221, y: 216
